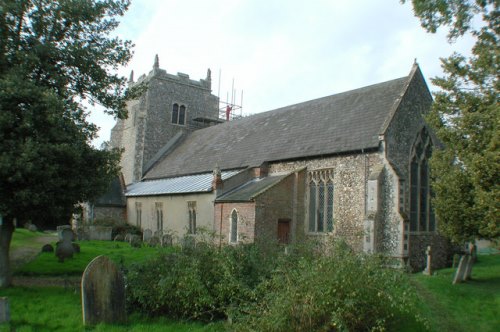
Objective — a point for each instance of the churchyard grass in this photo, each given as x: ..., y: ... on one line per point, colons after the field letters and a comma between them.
x: 120, y: 252
x: 58, y: 309
x: 470, y: 306
x: 23, y: 237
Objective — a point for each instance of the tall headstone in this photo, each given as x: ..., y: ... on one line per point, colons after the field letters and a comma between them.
x: 4, y: 310
x: 103, y: 293
x: 462, y: 267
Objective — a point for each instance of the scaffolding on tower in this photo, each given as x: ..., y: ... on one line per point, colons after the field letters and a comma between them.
x: 230, y: 109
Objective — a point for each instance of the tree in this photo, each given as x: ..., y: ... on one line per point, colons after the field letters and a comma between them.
x: 466, y: 118
x: 53, y: 55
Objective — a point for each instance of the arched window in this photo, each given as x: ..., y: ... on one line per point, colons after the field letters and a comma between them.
x: 179, y: 114
x: 321, y: 201
x: 234, y: 227
x: 182, y: 115
x: 421, y: 213
x: 175, y: 113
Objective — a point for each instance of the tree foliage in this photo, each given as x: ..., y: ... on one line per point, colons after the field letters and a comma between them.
x: 466, y: 117
x: 54, y: 54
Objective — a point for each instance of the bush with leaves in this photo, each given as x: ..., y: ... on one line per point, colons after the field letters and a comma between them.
x: 200, y: 282
x: 337, y: 291
x: 261, y: 288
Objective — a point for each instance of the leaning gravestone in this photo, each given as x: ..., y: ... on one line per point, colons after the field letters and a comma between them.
x: 103, y: 293
x: 4, y: 310
x: 64, y: 248
x: 462, y: 267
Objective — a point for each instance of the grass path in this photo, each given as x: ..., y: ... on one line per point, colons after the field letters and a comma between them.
x: 27, y: 250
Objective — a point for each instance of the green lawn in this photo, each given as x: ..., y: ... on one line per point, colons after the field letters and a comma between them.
x: 472, y: 306
x: 56, y: 309
x: 24, y: 237
x: 121, y: 253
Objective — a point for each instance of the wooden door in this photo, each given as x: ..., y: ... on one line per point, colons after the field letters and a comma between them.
x: 284, y: 231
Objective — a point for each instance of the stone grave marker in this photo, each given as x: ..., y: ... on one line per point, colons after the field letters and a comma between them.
x: 147, y: 235
x: 461, y: 270
x: 61, y: 229
x: 64, y: 248
x: 103, y: 293
x: 48, y: 248
x: 428, y: 268
x: 4, y: 310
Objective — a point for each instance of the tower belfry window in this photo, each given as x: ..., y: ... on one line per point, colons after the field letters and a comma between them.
x: 179, y: 114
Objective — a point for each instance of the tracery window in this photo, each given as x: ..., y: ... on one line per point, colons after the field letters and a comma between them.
x: 421, y: 212
x: 321, y: 190
x: 192, y: 217
x: 234, y: 227
x: 179, y: 114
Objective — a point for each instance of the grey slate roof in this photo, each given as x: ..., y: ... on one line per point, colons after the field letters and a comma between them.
x: 251, y: 189
x: 340, y: 123
x: 177, y: 185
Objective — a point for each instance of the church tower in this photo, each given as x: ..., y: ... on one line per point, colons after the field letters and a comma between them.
x: 171, y: 107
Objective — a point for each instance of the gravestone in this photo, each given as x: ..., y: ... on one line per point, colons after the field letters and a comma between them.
x: 127, y: 238
x: 135, y: 241
x: 147, y: 235
x: 48, y: 248
x: 470, y: 262
x: 158, y: 233
x: 100, y: 233
x: 64, y: 228
x: 64, y: 248
x: 103, y: 293
x: 428, y: 268
x: 4, y: 310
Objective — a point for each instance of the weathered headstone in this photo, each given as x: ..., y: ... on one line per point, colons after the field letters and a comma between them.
x: 158, y: 233
x: 146, y: 235
x: 462, y: 267
x: 428, y: 268
x: 64, y: 248
x: 4, y: 310
x: 48, y: 248
x: 470, y: 262
x: 127, y: 238
x: 188, y: 242
x: 76, y: 247
x: 63, y: 228
x: 32, y: 228
x: 103, y: 293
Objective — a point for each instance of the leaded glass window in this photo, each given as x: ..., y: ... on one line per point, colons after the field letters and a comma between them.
x: 321, y: 191
x: 179, y: 114
x: 175, y: 113
x: 421, y: 211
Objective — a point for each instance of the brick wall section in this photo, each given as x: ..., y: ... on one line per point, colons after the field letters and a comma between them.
x: 278, y: 203
x: 246, y: 221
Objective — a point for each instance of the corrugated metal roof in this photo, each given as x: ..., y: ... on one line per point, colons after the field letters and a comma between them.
x: 177, y: 185
x: 251, y: 189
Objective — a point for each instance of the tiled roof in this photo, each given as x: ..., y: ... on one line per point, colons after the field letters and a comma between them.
x: 251, y: 189
x: 176, y: 185
x: 340, y: 123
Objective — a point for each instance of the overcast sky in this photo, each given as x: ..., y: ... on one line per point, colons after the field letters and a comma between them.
x: 280, y: 52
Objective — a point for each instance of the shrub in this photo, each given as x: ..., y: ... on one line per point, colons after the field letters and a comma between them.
x: 262, y: 288
x: 200, y: 282
x: 341, y: 291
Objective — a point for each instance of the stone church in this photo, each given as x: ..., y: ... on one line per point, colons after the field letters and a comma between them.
x: 353, y: 165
